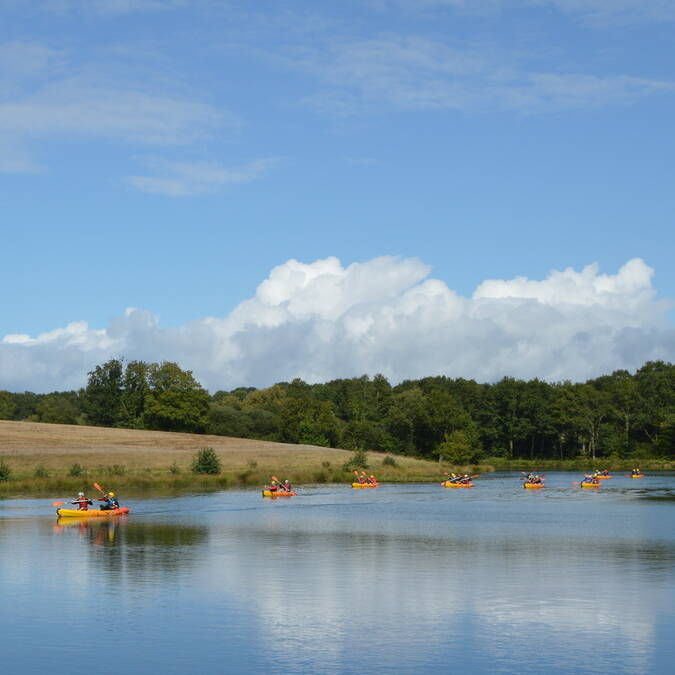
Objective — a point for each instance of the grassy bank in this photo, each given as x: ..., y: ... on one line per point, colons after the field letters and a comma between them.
x: 57, y: 460
x: 580, y: 464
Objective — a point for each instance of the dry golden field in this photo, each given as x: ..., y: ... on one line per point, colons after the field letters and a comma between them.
x: 163, y: 459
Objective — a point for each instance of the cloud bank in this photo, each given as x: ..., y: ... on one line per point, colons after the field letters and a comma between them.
x: 320, y: 321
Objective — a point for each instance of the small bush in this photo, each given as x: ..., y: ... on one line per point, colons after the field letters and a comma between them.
x: 359, y: 460
x: 206, y: 461
x: 389, y: 461
x: 117, y: 470
x: 5, y: 471
x: 252, y: 464
x: 174, y: 469
x: 76, y: 470
x: 320, y: 477
x: 41, y: 472
x: 325, y: 465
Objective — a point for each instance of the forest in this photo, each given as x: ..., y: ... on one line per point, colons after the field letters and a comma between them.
x: 622, y: 415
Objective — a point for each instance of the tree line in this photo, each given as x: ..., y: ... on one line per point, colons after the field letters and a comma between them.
x: 462, y: 421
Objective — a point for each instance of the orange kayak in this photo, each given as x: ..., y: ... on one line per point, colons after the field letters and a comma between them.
x: 448, y: 484
x: 533, y: 486
x: 277, y: 493
x: 92, y: 513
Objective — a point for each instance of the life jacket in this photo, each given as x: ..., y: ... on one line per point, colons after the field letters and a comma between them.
x: 274, y: 487
x: 82, y: 503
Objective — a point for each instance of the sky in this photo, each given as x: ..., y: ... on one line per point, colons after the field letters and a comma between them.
x: 262, y: 191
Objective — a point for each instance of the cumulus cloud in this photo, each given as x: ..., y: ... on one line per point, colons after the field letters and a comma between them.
x: 322, y: 320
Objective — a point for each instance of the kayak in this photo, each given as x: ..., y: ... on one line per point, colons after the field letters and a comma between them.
x: 365, y: 485
x: 456, y: 485
x: 590, y: 485
x: 93, y: 513
x: 638, y: 475
x: 533, y: 486
x: 279, y: 493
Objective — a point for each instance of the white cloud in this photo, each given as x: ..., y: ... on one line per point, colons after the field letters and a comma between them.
x: 321, y: 320
x: 416, y: 73
x: 601, y: 11
x: 113, y: 6
x: 44, y: 96
x: 179, y: 179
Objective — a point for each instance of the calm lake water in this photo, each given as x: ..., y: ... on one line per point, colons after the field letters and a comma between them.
x: 402, y: 579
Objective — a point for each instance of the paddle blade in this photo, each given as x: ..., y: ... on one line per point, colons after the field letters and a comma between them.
x: 576, y: 482
x: 99, y: 488
x: 58, y: 503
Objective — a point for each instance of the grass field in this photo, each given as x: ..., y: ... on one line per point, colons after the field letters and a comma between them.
x: 41, y: 458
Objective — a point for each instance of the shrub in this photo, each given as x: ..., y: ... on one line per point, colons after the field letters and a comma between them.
x: 325, y: 465
x: 359, y: 460
x: 41, y: 472
x: 117, y: 470
x: 389, y: 461
x: 252, y: 464
x: 174, y: 469
x: 206, y: 461
x: 76, y: 470
x: 5, y: 471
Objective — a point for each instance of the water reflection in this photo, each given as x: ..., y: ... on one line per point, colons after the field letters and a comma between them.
x: 553, y: 596
x: 406, y: 580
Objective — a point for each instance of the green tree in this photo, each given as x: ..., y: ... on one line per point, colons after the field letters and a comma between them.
x: 135, y: 390
x: 103, y: 394
x: 175, y: 400
x: 459, y: 447
x: 7, y: 406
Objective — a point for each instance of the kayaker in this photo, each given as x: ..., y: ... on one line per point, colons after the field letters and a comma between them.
x: 110, y: 502
x: 636, y: 472
x: 82, y: 502
x: 372, y: 480
x: 287, y: 486
x: 273, y: 486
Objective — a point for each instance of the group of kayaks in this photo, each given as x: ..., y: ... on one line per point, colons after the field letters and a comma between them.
x: 278, y: 489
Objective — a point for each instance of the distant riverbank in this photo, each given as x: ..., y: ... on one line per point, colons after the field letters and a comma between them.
x: 55, y: 458
x: 58, y: 460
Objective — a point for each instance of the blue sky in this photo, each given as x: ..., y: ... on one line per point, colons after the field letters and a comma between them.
x: 168, y: 156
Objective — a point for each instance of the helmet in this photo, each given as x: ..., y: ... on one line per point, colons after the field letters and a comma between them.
x: 111, y: 494
x: 80, y: 494
x: 274, y: 482
x: 286, y: 481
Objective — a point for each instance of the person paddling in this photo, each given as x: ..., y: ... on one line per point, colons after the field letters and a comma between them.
x: 82, y: 502
x: 287, y: 486
x: 274, y: 487
x: 110, y: 502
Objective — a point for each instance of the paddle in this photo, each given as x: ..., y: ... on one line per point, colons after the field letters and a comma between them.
x: 99, y: 488
x: 280, y: 484
x: 58, y: 503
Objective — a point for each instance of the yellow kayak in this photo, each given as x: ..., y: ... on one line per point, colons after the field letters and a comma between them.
x: 638, y: 475
x: 448, y: 484
x: 590, y: 485
x: 533, y: 486
x: 91, y: 513
x: 278, y: 493
x: 365, y: 485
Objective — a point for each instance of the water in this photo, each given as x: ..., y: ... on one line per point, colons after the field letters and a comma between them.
x: 402, y: 579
